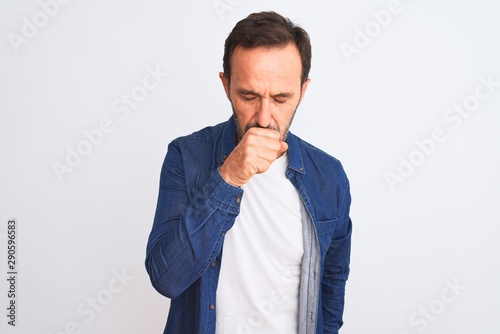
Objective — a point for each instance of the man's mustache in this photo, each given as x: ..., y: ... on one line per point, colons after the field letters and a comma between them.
x: 255, y: 125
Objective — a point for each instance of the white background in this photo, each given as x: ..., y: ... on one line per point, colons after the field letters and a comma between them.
x: 439, y: 225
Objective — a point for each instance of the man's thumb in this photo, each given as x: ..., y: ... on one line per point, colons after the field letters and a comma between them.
x: 284, y: 147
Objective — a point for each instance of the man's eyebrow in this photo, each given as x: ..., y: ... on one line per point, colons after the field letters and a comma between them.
x: 282, y: 95
x: 251, y: 92
x: 247, y: 92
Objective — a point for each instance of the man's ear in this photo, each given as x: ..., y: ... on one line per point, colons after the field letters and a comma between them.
x: 225, y: 84
x: 304, y: 89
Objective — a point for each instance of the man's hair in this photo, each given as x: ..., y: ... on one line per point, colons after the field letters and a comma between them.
x: 267, y: 29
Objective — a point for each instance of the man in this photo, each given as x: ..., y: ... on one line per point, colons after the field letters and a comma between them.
x: 252, y: 231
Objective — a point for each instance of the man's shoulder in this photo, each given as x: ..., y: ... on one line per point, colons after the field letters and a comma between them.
x: 320, y: 165
x: 208, y: 133
x: 316, y: 154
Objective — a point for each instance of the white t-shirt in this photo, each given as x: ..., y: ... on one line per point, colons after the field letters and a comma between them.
x: 258, y: 290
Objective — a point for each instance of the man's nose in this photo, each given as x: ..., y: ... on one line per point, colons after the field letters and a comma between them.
x: 263, y: 115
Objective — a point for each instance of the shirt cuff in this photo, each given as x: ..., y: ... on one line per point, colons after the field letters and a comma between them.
x: 223, y: 194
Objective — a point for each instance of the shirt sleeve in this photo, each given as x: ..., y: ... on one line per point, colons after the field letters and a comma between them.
x: 336, y: 269
x: 189, y: 224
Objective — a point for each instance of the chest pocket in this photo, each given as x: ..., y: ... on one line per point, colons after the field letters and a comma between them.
x: 326, y: 226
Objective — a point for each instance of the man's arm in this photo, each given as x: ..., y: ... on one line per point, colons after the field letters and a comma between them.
x: 336, y: 269
x: 187, y: 232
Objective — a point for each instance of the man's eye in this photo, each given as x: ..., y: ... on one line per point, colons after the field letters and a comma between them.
x: 249, y: 98
x: 280, y: 101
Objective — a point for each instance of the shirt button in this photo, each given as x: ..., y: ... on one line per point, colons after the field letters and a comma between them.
x: 212, y: 307
x: 238, y: 199
x: 223, y: 234
x: 213, y: 264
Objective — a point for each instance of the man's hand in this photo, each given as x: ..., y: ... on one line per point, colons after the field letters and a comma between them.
x: 256, y: 151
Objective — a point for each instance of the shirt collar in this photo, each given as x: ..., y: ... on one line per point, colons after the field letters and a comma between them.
x: 228, y: 139
x: 294, y: 156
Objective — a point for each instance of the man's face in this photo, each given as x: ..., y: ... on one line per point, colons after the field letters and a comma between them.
x: 265, y: 87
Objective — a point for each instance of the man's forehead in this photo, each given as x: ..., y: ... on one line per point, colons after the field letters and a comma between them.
x: 272, y: 65
x: 262, y: 49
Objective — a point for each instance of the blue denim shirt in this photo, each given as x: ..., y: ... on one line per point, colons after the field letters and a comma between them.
x: 196, y: 207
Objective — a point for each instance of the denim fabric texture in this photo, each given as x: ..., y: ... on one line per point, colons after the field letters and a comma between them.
x: 196, y: 207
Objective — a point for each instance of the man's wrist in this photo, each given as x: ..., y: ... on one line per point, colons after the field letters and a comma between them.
x: 225, y: 176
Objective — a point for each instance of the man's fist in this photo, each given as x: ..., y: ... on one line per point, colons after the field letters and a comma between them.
x: 256, y: 151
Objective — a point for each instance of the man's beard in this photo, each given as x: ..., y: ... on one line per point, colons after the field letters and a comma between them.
x: 240, y: 132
